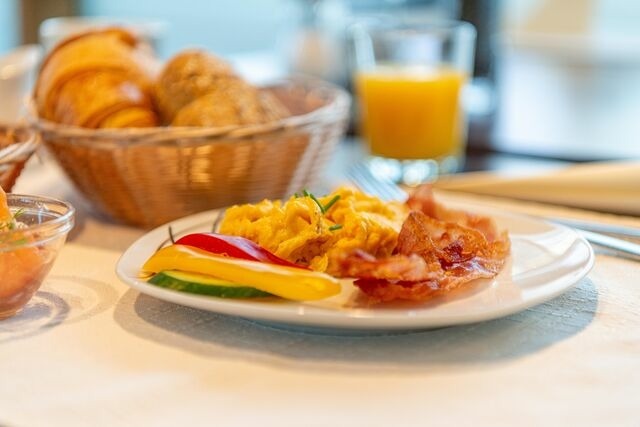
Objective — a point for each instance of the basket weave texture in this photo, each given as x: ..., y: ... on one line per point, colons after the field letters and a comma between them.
x: 149, y: 176
x: 17, y: 144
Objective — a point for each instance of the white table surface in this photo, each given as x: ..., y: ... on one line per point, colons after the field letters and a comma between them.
x: 88, y: 350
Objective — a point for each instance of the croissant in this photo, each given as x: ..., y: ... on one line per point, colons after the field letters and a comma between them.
x: 196, y: 88
x: 102, y: 78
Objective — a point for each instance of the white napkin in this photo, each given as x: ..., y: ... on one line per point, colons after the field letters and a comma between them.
x: 603, y: 186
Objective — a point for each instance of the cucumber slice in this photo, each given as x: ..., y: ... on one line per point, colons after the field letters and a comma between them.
x: 204, y: 285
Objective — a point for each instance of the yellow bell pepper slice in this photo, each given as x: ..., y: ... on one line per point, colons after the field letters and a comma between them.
x: 286, y: 282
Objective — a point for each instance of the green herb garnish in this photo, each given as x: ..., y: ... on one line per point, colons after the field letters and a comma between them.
x: 18, y: 213
x: 331, y: 202
x: 11, y: 223
x: 323, y: 208
x: 171, y: 236
x: 314, y: 198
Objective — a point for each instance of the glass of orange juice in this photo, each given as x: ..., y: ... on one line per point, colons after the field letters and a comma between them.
x: 409, y: 78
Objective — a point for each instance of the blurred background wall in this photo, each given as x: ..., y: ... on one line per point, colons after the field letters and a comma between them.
x: 552, y: 78
x: 9, y: 25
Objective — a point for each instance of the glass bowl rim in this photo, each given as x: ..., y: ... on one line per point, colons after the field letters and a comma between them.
x: 54, y: 227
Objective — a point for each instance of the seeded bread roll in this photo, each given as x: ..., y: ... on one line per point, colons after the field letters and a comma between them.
x: 229, y: 102
x: 186, y: 77
x: 196, y: 88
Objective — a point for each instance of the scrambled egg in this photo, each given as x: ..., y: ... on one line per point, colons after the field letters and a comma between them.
x: 299, y: 231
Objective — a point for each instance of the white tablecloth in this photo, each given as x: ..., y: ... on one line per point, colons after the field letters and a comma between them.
x: 90, y: 351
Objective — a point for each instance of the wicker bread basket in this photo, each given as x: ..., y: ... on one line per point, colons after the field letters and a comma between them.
x: 148, y: 176
x: 17, y: 144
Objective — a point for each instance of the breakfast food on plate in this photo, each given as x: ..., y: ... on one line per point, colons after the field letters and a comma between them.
x: 22, y: 266
x: 107, y: 79
x: 438, y: 250
x: 234, y: 268
x: 413, y: 251
x: 98, y: 79
x: 393, y: 251
x: 316, y: 231
x: 196, y: 88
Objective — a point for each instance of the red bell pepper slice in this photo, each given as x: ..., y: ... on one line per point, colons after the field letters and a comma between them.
x: 234, y: 247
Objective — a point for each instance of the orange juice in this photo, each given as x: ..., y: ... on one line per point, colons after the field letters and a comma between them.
x: 412, y: 113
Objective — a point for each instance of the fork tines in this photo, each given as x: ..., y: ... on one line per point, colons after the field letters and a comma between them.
x: 365, y: 180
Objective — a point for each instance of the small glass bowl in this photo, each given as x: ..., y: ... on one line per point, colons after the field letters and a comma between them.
x: 28, y: 252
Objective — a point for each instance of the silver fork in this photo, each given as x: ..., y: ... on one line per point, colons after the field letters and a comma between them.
x: 362, y: 177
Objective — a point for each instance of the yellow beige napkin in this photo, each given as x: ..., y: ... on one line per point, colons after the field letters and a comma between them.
x: 603, y: 186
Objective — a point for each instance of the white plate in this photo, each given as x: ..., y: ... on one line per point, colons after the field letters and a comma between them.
x: 546, y: 260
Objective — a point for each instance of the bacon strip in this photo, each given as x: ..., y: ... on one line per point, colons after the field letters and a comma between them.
x: 422, y: 200
x: 438, y: 250
x: 411, y: 267
x: 385, y: 291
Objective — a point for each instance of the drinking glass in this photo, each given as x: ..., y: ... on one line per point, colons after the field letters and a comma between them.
x: 409, y: 77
